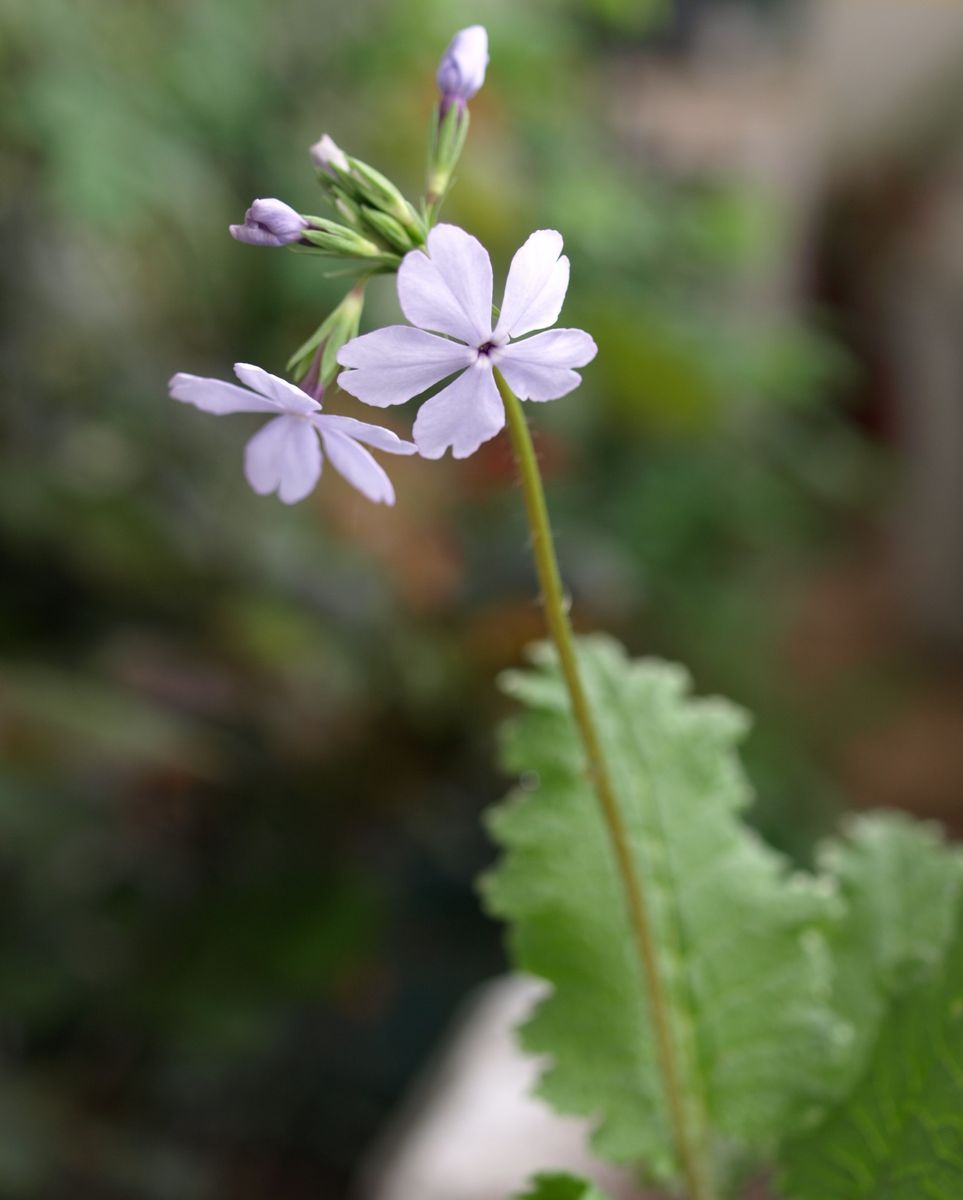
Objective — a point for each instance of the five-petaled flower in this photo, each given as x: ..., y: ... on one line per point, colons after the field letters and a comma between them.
x: 448, y: 291
x: 285, y: 456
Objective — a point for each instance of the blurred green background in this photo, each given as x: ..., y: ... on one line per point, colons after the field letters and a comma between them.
x: 244, y: 748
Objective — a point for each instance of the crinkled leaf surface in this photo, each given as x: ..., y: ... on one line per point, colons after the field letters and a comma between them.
x: 739, y: 939
x: 900, y: 884
x: 553, y: 1186
x: 899, y: 1136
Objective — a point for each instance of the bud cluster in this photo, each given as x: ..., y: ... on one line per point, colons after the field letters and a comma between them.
x: 377, y: 225
x: 367, y: 200
x: 372, y: 226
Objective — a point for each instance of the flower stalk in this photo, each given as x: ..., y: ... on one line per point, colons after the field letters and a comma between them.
x: 691, y: 1146
x: 461, y: 73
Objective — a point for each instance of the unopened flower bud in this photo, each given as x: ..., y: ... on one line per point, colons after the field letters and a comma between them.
x: 327, y: 155
x: 270, y: 223
x: 357, y: 189
x: 389, y: 230
x: 377, y: 191
x: 461, y: 71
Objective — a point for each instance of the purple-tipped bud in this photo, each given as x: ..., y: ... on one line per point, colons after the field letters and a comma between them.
x: 326, y: 153
x: 270, y: 223
x: 461, y: 71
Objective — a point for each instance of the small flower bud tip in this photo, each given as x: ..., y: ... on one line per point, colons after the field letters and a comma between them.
x: 461, y: 71
x: 326, y: 153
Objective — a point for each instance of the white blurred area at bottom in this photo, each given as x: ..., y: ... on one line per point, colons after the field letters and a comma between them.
x: 472, y: 1130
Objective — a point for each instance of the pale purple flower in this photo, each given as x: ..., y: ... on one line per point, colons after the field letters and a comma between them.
x: 286, y: 455
x: 448, y: 290
x: 461, y: 71
x: 270, y: 223
x: 326, y: 154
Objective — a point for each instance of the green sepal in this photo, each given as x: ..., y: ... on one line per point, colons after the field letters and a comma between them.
x: 448, y: 141
x: 334, y: 238
x: 379, y: 192
x: 388, y: 229
x: 339, y: 327
x: 347, y: 210
x: 558, y: 1185
x: 381, y: 264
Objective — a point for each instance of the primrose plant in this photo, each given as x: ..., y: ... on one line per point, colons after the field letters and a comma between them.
x: 726, y: 1022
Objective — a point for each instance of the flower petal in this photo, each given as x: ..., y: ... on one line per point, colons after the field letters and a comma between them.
x: 449, y: 288
x: 536, y: 287
x: 216, y: 396
x: 466, y: 413
x: 539, y: 367
x: 361, y: 431
x: 285, y: 395
x: 253, y: 235
x: 285, y: 457
x: 398, y: 362
x: 358, y: 467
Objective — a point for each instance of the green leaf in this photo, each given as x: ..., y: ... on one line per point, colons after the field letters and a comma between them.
x: 900, y: 884
x: 900, y: 1134
x: 556, y: 1186
x: 739, y: 942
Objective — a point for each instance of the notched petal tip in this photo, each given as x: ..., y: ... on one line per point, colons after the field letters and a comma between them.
x: 448, y: 289
x: 462, y: 416
x: 536, y: 286
x: 541, y: 367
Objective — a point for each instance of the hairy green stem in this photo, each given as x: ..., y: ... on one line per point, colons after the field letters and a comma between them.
x: 693, y: 1154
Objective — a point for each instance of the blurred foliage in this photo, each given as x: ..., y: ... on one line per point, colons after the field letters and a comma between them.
x: 244, y: 748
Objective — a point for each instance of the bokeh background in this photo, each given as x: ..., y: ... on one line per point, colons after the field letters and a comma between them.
x: 244, y: 748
